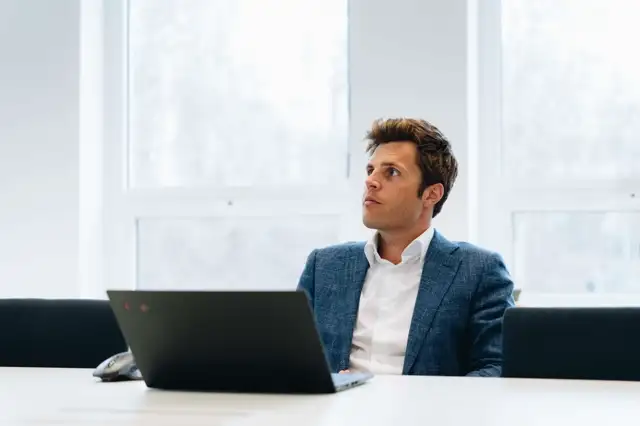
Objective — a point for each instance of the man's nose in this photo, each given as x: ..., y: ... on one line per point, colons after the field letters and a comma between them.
x: 372, y: 182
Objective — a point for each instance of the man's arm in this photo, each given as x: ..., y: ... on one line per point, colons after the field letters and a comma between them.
x: 307, y: 281
x: 493, y: 297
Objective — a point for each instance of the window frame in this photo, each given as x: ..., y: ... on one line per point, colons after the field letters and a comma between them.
x: 500, y: 198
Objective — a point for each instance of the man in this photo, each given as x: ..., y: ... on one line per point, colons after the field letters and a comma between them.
x: 408, y: 301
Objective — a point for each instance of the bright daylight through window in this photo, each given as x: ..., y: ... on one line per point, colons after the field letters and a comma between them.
x: 237, y: 92
x: 571, y: 119
x: 233, y: 95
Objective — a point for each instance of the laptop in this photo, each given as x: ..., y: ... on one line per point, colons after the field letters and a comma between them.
x: 589, y: 343
x: 227, y: 341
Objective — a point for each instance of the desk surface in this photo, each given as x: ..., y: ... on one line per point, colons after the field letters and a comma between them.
x: 74, y: 397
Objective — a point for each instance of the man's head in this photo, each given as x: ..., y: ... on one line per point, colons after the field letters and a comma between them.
x: 410, y: 173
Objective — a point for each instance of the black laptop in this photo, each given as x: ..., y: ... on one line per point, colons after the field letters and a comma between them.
x: 227, y: 341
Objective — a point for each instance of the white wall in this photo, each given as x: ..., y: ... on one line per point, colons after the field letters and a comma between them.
x: 409, y: 58
x: 39, y: 52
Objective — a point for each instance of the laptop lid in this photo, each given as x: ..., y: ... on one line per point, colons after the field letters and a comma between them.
x: 259, y: 341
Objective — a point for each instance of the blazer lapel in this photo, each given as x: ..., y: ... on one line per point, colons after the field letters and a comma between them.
x: 353, y: 279
x: 438, y: 272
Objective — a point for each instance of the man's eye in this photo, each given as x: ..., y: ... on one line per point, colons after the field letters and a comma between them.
x: 393, y: 172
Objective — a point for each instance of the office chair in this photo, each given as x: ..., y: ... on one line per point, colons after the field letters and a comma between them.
x: 72, y: 333
x: 572, y: 343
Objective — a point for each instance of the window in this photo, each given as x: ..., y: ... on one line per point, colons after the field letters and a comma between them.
x: 563, y: 202
x: 237, y: 92
x: 583, y: 251
x: 571, y: 93
x: 229, y: 252
x: 228, y: 138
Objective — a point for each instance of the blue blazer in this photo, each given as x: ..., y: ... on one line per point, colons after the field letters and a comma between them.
x: 456, y: 328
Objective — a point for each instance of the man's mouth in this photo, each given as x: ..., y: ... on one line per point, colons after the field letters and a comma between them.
x: 369, y: 201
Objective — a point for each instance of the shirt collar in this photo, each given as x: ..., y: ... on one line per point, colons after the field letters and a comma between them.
x: 416, y: 249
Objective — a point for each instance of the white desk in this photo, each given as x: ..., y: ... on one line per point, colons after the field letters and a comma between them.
x: 73, y: 397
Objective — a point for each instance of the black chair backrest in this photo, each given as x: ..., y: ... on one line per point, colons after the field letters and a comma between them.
x: 572, y: 343
x: 75, y: 333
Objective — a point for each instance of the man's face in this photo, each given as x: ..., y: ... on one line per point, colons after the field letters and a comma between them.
x: 390, y: 200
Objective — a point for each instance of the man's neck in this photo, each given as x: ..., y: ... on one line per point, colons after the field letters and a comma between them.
x: 391, y: 244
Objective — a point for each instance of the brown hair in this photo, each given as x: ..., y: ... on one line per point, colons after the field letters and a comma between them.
x: 435, y: 156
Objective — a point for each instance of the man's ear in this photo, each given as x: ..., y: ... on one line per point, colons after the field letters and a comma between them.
x: 433, y: 194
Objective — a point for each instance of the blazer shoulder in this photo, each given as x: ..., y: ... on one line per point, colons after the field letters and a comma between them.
x: 467, y: 247
x: 485, y: 264
x: 477, y: 254
x: 339, y: 251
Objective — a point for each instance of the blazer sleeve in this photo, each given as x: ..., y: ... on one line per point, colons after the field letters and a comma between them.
x: 307, y: 280
x: 494, y: 295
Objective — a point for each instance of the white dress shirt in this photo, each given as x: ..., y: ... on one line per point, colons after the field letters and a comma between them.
x: 386, y: 307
